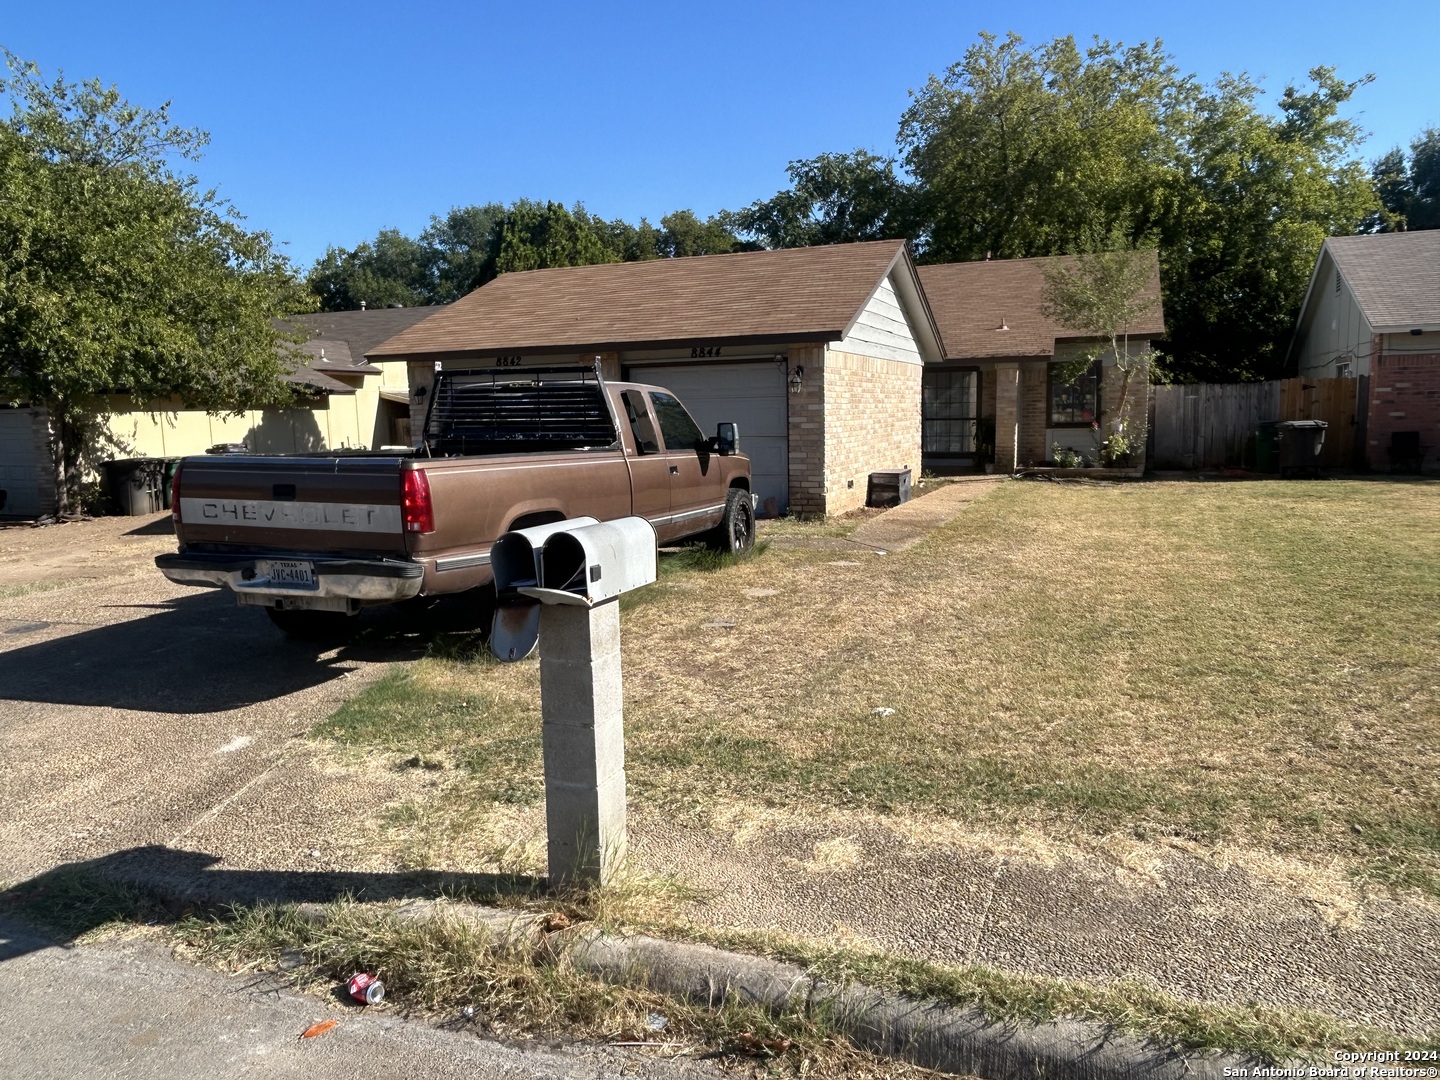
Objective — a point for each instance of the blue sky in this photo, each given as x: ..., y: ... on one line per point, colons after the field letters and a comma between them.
x: 330, y: 122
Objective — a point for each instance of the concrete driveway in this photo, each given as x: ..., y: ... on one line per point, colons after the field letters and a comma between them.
x: 134, y: 712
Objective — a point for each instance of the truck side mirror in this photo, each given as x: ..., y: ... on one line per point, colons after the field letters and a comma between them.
x: 581, y: 562
x: 727, y: 438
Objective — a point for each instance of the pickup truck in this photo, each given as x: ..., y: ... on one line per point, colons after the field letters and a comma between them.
x: 313, y: 538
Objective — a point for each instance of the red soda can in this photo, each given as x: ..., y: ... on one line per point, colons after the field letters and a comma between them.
x: 366, y: 988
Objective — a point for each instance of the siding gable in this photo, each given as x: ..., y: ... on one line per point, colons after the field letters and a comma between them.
x: 882, y: 331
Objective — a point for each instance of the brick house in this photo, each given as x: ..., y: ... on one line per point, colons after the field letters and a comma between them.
x: 1372, y: 312
x: 1001, y: 371
x: 816, y: 353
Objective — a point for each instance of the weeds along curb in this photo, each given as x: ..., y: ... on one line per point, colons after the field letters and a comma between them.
x: 930, y: 1034
x: 943, y: 1037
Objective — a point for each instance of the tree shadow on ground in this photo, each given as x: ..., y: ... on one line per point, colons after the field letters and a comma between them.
x: 158, y: 885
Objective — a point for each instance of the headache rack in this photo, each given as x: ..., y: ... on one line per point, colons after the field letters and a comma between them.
x: 518, y: 411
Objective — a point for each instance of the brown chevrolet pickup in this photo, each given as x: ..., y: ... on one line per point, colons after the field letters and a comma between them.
x: 314, y: 538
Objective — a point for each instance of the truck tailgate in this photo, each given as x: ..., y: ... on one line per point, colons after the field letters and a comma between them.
x: 344, y: 505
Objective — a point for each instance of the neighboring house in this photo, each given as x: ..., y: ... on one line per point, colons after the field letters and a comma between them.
x: 349, y: 403
x: 1372, y: 312
x: 815, y: 352
x: 1001, y: 369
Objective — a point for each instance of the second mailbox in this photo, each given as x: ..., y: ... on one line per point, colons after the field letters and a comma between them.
x: 580, y: 562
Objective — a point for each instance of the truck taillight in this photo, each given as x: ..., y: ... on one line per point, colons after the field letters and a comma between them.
x: 416, y: 510
x: 175, y: 495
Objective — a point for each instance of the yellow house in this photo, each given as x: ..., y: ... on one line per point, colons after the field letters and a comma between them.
x: 352, y: 404
x: 349, y: 404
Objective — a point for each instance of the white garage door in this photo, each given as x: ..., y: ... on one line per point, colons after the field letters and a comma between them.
x: 752, y: 395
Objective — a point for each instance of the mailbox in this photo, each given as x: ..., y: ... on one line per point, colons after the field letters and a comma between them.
x: 515, y: 562
x: 580, y: 562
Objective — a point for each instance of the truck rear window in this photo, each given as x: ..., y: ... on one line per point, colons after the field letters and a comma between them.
x: 480, y: 414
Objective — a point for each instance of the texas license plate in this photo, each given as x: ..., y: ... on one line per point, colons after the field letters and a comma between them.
x: 299, y: 575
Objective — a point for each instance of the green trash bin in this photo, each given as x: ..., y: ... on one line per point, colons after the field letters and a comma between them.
x: 1267, y: 442
x: 167, y: 484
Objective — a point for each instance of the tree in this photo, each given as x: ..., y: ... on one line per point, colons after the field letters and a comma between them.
x: 1021, y: 151
x: 470, y: 245
x: 458, y: 249
x: 1409, y: 192
x: 834, y: 199
x: 116, y: 273
x: 1257, y: 197
x: 1103, y: 295
x: 392, y: 270
x: 683, y: 234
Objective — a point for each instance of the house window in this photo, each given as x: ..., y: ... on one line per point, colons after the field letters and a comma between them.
x: 1342, y: 370
x: 1075, y: 403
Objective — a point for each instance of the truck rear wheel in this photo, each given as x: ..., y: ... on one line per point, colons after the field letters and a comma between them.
x: 736, y: 531
x: 313, y: 625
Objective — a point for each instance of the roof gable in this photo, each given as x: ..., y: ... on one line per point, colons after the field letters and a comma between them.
x: 991, y: 308
x: 1394, y: 277
x: 791, y: 294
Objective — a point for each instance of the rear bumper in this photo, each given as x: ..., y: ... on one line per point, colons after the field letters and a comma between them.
x: 364, y: 580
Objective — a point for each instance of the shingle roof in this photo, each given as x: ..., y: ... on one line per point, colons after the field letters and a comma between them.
x: 357, y: 332
x: 973, y: 300
x: 317, y: 380
x: 795, y: 294
x: 1395, y: 277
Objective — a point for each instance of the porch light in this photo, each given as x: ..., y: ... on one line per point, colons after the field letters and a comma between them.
x: 796, y: 378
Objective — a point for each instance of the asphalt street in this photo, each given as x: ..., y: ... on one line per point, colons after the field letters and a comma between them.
x: 124, y: 1009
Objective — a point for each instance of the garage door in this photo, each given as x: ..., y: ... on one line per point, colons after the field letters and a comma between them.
x: 19, y: 465
x: 752, y: 395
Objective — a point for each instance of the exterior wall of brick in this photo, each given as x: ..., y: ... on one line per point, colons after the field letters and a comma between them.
x: 806, y: 429
x: 871, y: 422
x: 1006, y: 378
x: 1404, y: 396
x: 1034, y: 395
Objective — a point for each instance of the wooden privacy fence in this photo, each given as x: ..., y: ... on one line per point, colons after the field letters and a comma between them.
x: 1212, y: 425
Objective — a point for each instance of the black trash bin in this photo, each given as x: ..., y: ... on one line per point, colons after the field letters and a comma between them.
x: 134, y: 485
x: 1300, y: 442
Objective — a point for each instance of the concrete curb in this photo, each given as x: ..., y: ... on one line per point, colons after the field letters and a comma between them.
x: 947, y: 1038
x: 926, y: 1033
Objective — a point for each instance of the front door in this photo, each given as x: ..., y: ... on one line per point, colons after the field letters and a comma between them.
x: 949, y: 404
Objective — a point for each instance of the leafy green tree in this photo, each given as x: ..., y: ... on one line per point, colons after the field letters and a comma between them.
x: 536, y: 236
x: 682, y: 234
x: 1022, y: 151
x: 1103, y: 295
x: 834, y: 199
x: 457, y: 248
x: 116, y: 273
x: 1409, y: 191
x: 1258, y: 196
x: 393, y: 269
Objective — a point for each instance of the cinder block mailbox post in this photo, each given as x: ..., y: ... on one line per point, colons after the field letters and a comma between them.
x: 559, y: 585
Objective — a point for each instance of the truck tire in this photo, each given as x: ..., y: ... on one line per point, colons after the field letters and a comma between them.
x: 313, y: 625
x: 736, y: 531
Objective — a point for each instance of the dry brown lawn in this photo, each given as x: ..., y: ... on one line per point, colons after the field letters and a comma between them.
x: 1243, y: 663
